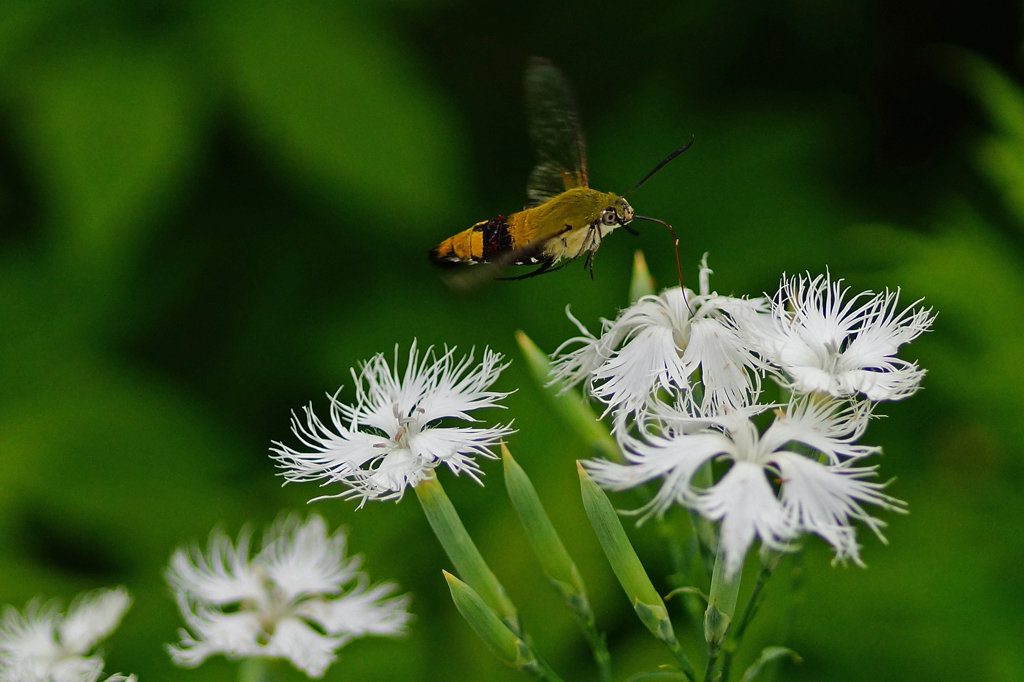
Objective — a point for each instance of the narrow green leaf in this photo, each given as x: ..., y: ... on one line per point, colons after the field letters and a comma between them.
x: 658, y: 675
x: 554, y: 559
x: 768, y: 654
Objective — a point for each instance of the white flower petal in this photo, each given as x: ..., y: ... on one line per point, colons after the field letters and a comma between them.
x: 73, y: 669
x: 331, y: 453
x: 299, y: 576
x: 571, y: 367
x: 221, y: 575
x: 301, y: 559
x: 825, y: 343
x: 44, y: 645
x: 230, y: 634
x: 28, y: 644
x: 650, y: 358
x: 398, y: 470
x: 306, y: 649
x: 747, y: 507
x: 389, y: 439
x: 363, y: 611
x: 900, y: 381
x: 832, y: 428
x: 657, y: 344
x: 92, y: 617
x: 728, y: 368
x: 822, y: 499
x: 674, y: 459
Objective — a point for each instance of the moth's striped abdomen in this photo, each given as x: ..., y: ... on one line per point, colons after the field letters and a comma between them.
x: 482, y: 242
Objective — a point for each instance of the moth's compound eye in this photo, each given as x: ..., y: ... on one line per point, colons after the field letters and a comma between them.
x: 609, y: 217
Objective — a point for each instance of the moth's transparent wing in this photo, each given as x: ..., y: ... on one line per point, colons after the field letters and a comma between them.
x: 554, y: 128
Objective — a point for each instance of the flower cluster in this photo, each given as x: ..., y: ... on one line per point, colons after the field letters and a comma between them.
x: 392, y: 437
x: 45, y: 645
x: 682, y: 373
x: 290, y: 601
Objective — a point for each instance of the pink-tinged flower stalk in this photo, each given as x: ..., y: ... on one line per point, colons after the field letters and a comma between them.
x: 299, y: 599
x: 392, y: 437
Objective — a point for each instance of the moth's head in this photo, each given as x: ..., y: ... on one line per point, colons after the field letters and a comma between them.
x: 619, y: 213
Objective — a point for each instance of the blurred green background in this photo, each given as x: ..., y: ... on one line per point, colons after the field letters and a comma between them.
x: 210, y: 211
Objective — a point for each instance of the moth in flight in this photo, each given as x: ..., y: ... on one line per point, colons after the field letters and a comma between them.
x: 564, y: 218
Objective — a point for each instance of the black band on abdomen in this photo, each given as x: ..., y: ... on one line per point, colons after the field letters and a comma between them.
x: 497, y: 239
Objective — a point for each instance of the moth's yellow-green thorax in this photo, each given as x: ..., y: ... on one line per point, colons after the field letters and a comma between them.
x: 574, y: 221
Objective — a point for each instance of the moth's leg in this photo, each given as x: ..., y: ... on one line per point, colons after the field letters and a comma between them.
x: 594, y: 237
x: 544, y: 268
x: 589, y: 263
x: 546, y: 263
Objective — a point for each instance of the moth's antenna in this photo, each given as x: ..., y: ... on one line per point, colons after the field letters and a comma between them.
x: 660, y: 166
x: 675, y: 239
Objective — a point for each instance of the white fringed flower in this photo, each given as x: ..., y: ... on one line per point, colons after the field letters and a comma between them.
x: 391, y: 438
x: 826, y: 344
x: 290, y: 601
x: 657, y: 343
x: 44, y: 645
x: 773, y: 490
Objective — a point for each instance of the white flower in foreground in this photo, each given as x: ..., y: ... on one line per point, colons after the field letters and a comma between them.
x: 44, y: 645
x: 773, y: 489
x: 391, y: 438
x: 827, y: 344
x: 658, y: 343
x: 289, y: 601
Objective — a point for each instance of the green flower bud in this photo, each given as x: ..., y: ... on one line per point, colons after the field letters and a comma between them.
x: 642, y: 283
x: 623, y: 559
x: 459, y: 547
x: 570, y: 404
x: 502, y: 642
x: 721, y: 602
x: 548, y: 547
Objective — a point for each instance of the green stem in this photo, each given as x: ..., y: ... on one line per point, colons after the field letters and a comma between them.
x: 596, y: 640
x: 704, y: 530
x: 709, y: 672
x: 676, y: 552
x: 796, y: 596
x: 258, y: 669
x: 252, y: 670
x: 753, y: 604
x: 721, y: 607
x: 684, y: 662
x: 546, y: 672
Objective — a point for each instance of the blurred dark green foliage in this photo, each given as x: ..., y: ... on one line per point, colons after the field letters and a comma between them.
x: 210, y: 211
